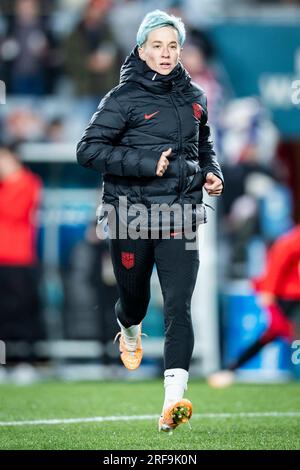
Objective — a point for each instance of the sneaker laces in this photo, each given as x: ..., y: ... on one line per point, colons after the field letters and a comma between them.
x: 130, y: 342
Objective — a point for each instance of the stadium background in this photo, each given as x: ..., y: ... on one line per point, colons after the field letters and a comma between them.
x: 246, y: 55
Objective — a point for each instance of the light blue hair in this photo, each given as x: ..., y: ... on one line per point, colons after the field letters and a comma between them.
x: 157, y: 19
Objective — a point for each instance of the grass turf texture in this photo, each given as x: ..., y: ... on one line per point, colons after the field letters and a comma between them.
x: 83, y: 400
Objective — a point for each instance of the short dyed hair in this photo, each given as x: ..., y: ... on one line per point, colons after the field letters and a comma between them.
x: 157, y: 19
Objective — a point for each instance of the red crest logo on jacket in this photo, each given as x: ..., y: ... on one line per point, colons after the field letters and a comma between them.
x: 127, y: 259
x: 197, y: 110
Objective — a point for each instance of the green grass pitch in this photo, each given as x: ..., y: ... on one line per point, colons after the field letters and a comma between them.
x: 225, y: 423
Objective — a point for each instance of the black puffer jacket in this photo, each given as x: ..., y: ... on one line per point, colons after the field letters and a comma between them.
x: 135, y: 122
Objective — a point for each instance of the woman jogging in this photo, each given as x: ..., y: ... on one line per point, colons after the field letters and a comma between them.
x: 150, y: 140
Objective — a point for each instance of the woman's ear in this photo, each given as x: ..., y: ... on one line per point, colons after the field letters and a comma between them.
x: 141, y: 53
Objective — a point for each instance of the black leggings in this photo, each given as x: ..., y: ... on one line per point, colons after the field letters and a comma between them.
x: 177, y: 269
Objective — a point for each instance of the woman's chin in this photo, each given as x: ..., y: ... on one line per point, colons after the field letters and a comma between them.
x: 165, y: 70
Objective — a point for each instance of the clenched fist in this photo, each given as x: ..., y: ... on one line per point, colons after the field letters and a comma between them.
x: 163, y: 162
x: 213, y: 185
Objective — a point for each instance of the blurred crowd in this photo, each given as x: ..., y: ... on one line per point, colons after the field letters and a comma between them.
x: 59, y: 57
x: 70, y: 52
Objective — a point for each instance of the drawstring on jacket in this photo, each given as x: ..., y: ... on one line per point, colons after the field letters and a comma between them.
x: 173, y: 83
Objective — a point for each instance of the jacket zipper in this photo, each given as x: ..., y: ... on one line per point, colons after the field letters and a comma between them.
x: 180, y: 147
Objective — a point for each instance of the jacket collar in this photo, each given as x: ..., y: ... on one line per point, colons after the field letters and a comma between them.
x: 136, y: 70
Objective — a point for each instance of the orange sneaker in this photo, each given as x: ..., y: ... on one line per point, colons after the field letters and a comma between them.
x: 177, y: 413
x: 131, y: 349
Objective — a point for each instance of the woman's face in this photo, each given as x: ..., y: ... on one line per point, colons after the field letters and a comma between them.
x: 161, y: 51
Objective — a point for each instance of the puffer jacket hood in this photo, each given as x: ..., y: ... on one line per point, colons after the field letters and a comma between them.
x: 135, y: 69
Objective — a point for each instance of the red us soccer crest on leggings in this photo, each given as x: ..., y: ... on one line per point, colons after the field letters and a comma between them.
x: 127, y: 259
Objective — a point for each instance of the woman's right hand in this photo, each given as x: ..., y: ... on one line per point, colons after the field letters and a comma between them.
x: 163, y: 162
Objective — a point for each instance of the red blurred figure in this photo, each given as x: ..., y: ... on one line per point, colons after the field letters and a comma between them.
x: 282, y: 274
x: 279, y: 292
x: 20, y: 191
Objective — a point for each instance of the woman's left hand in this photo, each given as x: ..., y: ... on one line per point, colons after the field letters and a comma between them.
x: 213, y: 185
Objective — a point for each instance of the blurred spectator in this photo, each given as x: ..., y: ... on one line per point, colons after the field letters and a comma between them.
x: 20, y: 192
x: 201, y: 12
x: 91, y: 56
x: 23, y: 124
x: 44, y: 119
x: 243, y: 123
x: 248, y: 145
x: 90, y: 290
x: 279, y: 293
x: 125, y: 18
x: 28, y: 51
x: 55, y: 132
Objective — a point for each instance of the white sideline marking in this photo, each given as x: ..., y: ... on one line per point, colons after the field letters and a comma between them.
x: 101, y: 419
